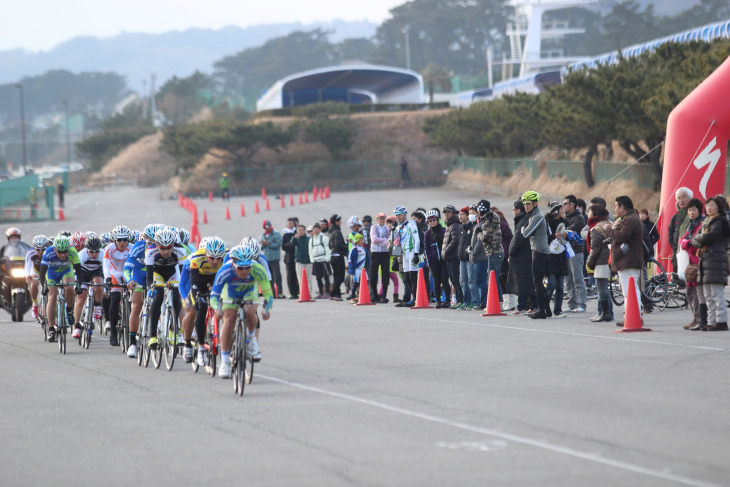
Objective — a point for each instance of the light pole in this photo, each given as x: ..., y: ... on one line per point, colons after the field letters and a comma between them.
x: 22, y: 125
x: 408, y: 47
x: 68, y: 136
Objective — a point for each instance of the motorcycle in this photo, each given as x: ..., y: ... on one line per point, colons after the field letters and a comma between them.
x: 14, y: 294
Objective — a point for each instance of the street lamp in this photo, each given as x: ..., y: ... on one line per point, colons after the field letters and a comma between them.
x: 68, y: 136
x: 408, y: 47
x: 22, y: 123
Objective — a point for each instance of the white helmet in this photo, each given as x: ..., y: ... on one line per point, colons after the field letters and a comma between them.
x: 166, y: 237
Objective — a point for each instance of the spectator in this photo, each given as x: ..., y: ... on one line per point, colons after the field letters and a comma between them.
x: 395, y: 262
x: 491, y: 237
x: 270, y: 242
x: 223, y: 184
x: 408, y: 240
x: 478, y: 258
x: 679, y: 222
x: 287, y: 243
x: 301, y: 255
x: 419, y: 216
x: 404, y: 169
x: 355, y: 264
x: 519, y: 281
x: 713, y: 268
x: 576, y: 285
x: 367, y: 222
x: 450, y: 251
x: 324, y: 226
x: 557, y: 266
x: 509, y: 300
x: 627, y: 237
x: 320, y: 255
x: 467, y: 277
x: 537, y: 230
x: 695, y: 294
x: 61, y: 193
x: 339, y: 253
x: 651, y: 237
x: 379, y: 258
x: 433, y: 241
x: 599, y: 251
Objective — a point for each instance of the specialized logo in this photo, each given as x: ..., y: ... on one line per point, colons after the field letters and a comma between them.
x: 708, y: 157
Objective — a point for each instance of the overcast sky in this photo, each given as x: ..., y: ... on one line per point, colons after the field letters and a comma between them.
x: 42, y: 24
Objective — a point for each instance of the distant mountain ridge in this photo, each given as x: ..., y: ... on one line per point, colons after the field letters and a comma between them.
x: 176, y: 53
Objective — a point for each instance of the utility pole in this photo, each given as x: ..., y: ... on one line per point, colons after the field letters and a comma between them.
x: 22, y: 126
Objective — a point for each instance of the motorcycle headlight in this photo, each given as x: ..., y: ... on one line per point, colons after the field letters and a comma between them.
x: 17, y: 273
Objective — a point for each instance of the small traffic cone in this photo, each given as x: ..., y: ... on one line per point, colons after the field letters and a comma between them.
x: 300, y: 198
x: 263, y: 193
x: 421, y: 293
x: 314, y: 195
x: 306, y: 197
x: 268, y: 206
x: 256, y: 207
x: 210, y: 196
x: 326, y: 191
x: 364, y: 298
x: 632, y: 315
x: 243, y: 211
x: 179, y: 199
x: 282, y: 201
x: 493, y: 307
x: 228, y: 213
x: 304, y: 296
x: 61, y: 216
x: 205, y: 217
x: 291, y: 199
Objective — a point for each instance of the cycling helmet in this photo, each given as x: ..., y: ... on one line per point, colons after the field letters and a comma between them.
x: 78, y: 240
x: 530, y: 196
x: 554, y: 207
x: 215, y: 247
x: 121, y: 232
x: 61, y: 243
x: 134, y: 237
x: 483, y: 207
x: 400, y: 210
x: 184, y: 235
x: 93, y: 242
x: 40, y: 242
x: 13, y: 232
x: 150, y: 230
x: 255, y: 246
x: 450, y: 208
x: 432, y: 214
x: 202, y: 243
x: 242, y: 255
x: 354, y: 220
x: 106, y: 238
x: 165, y: 237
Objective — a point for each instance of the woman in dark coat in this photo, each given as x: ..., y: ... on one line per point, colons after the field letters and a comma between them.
x: 519, y: 279
x: 433, y: 240
x: 557, y: 267
x: 713, y: 263
x: 508, y: 300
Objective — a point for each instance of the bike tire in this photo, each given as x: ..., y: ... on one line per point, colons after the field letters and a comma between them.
x: 195, y: 359
x: 18, y: 307
x: 62, y: 341
x: 614, y: 288
x: 657, y: 288
x: 212, y: 345
x: 126, y: 310
x: 249, y: 368
x: 157, y: 352
x: 170, y: 348
x: 241, y: 353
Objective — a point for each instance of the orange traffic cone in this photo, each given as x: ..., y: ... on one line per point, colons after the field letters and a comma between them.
x: 632, y: 315
x: 268, y: 206
x: 493, y: 307
x: 300, y: 198
x: 243, y: 211
x: 314, y: 195
x: 364, y: 298
x: 210, y: 196
x: 179, y: 199
x: 205, y: 217
x: 256, y: 207
x: 291, y: 199
x: 228, y: 213
x: 421, y: 293
x: 61, y: 216
x: 326, y: 191
x: 282, y: 201
x: 306, y: 197
x: 304, y: 296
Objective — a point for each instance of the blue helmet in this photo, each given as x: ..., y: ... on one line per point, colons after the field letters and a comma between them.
x: 215, y: 247
x: 400, y: 210
x: 150, y: 230
x: 106, y: 238
x: 242, y: 255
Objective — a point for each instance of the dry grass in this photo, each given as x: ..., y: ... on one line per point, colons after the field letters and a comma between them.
x: 141, y: 162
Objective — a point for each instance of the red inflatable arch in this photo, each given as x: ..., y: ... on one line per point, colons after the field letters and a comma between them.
x: 696, y: 150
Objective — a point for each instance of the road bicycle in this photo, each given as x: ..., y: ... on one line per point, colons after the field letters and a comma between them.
x: 212, y: 344
x: 168, y: 333
x: 41, y: 317
x: 61, y: 318
x: 143, y: 335
x: 656, y: 288
x: 88, y: 322
x: 125, y: 309
x: 202, y: 298
x: 241, y: 362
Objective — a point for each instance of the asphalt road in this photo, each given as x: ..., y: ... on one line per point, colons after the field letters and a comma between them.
x: 376, y: 396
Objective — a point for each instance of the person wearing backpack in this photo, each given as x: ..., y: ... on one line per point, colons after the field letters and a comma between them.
x: 575, y: 283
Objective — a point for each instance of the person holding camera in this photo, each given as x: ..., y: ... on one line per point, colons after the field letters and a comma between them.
x: 597, y: 243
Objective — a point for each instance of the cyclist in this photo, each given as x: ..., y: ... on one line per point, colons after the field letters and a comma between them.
x: 185, y: 239
x: 135, y: 275
x: 33, y: 266
x: 60, y: 263
x: 162, y: 261
x: 238, y: 278
x: 91, y: 271
x: 257, y: 255
x: 115, y: 255
x: 78, y: 240
x: 198, y: 274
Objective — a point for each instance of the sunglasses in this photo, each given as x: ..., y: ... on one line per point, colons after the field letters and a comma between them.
x: 169, y: 247
x: 242, y: 267
x: 122, y: 240
x: 93, y: 251
x: 215, y: 258
x: 62, y: 251
x: 433, y: 219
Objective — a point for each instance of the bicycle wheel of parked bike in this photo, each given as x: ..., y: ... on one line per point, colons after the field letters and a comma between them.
x: 614, y: 288
x: 171, y: 341
x: 656, y: 288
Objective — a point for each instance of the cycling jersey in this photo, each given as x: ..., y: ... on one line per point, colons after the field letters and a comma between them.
x: 408, y: 235
x: 261, y: 260
x: 134, y: 267
x: 32, y: 263
x: 114, y: 260
x: 54, y: 269
x: 163, y: 269
x: 89, y: 263
x: 228, y: 285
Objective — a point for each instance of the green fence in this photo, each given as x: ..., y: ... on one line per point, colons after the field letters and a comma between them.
x: 23, y: 199
x: 502, y: 168
x: 17, y: 190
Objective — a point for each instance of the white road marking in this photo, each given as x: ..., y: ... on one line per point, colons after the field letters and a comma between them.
x: 593, y: 457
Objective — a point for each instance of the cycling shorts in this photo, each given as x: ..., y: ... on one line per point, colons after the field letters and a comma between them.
x: 88, y: 276
x: 53, y: 277
x: 159, y: 281
x: 246, y: 293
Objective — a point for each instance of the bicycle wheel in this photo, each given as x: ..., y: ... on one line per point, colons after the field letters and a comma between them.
x: 656, y: 289
x: 195, y: 358
x: 212, y: 327
x: 614, y: 288
x: 249, y: 367
x: 61, y: 326
x: 239, y: 372
x: 157, y: 351
x: 123, y: 329
x: 170, y: 343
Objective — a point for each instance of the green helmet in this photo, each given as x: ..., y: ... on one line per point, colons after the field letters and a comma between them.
x: 61, y: 243
x: 530, y: 196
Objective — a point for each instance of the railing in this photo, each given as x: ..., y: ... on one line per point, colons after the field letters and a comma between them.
x: 501, y: 168
x: 23, y: 199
